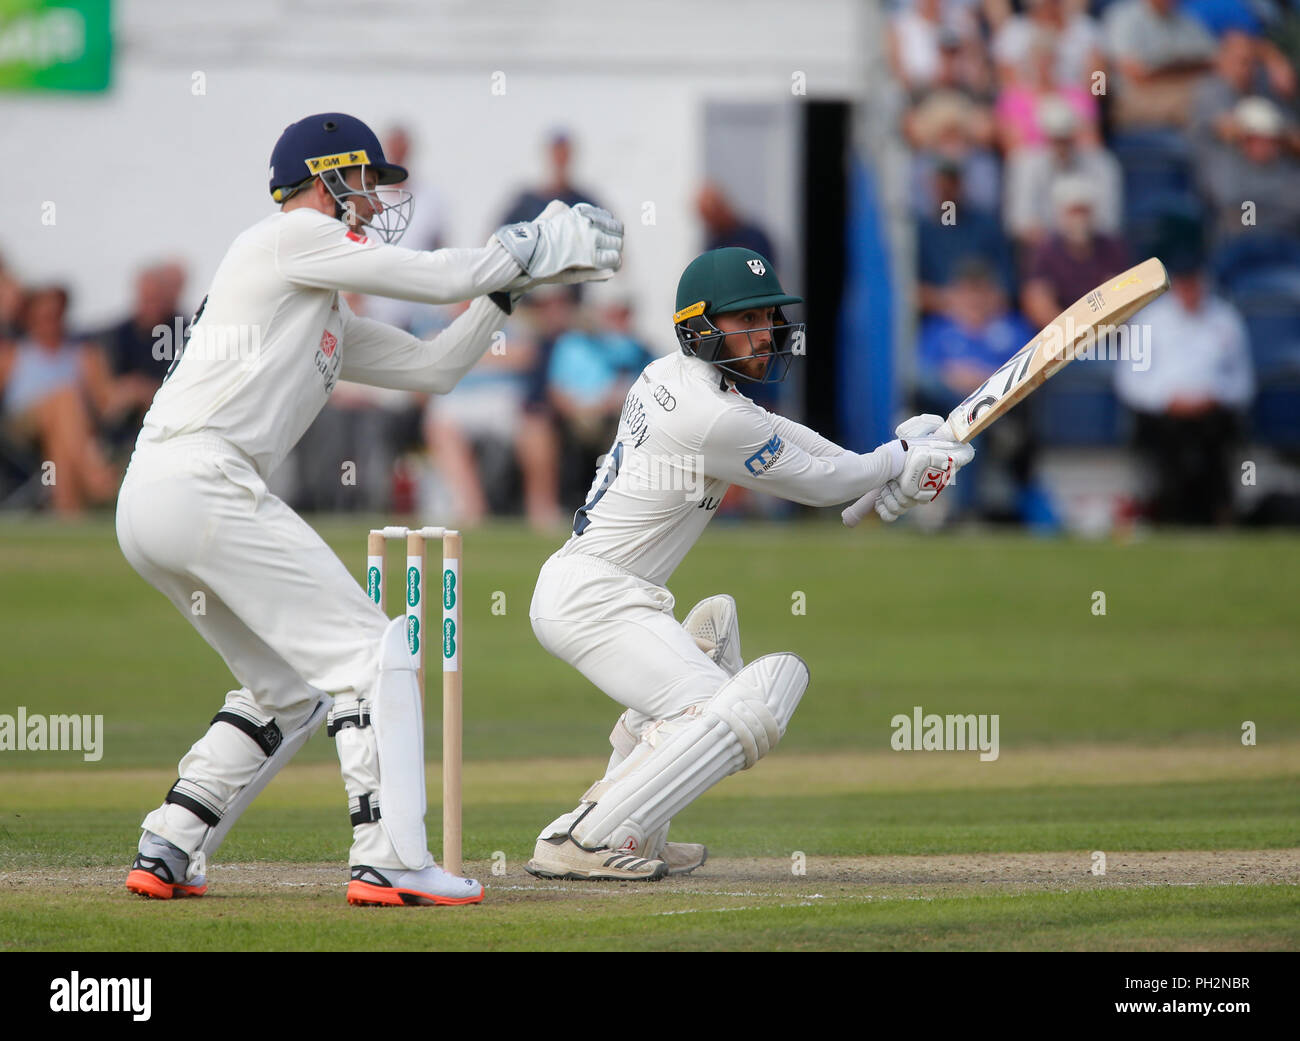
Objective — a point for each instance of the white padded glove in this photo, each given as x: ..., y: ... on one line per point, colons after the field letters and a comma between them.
x: 581, y: 242
x: 931, y: 464
x: 925, y: 425
x: 922, y: 426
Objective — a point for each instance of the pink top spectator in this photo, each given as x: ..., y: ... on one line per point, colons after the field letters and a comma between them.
x: 1017, y: 110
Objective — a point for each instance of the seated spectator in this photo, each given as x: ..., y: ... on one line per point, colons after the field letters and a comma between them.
x: 52, y: 389
x: 548, y: 314
x: 948, y: 129
x: 944, y: 245
x: 473, y: 433
x: 1188, y: 403
x: 1031, y: 173
x: 918, y: 33
x: 1075, y: 40
x: 1020, y: 105
x: 1255, y: 169
x: 1074, y: 259
x: 1159, y: 54
x: 1239, y: 72
x: 587, y: 381
x: 131, y: 346
x: 723, y: 226
x: 963, y: 67
x: 956, y: 351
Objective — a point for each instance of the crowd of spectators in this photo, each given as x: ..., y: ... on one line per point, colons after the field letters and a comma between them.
x: 1053, y: 143
x: 519, y: 435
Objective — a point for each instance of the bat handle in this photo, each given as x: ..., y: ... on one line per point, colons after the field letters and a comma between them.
x: 852, y: 515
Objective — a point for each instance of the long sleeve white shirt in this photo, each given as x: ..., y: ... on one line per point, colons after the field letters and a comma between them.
x: 684, y: 437
x: 274, y: 337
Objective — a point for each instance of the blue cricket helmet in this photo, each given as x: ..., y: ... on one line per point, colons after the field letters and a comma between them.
x: 326, y: 144
x: 327, y: 141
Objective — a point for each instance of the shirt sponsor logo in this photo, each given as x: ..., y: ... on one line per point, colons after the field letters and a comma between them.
x: 762, y: 460
x: 664, y: 398
x: 328, y: 341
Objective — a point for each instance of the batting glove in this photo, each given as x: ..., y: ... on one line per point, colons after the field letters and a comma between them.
x: 930, y: 465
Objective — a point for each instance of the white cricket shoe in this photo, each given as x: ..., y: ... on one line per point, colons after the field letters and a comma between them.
x: 561, y: 857
x: 394, y: 887
x: 161, y: 871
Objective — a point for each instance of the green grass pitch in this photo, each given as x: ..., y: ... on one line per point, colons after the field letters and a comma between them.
x: 1120, y: 734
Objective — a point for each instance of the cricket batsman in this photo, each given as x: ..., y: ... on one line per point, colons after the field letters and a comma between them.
x: 304, y: 642
x: 695, y: 711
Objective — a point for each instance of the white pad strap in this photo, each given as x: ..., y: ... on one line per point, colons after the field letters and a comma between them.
x: 681, y: 758
x: 397, y: 718
x: 622, y: 738
x: 272, y: 765
x: 716, y: 629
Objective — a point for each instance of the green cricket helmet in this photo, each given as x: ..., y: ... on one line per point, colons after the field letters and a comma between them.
x: 729, y: 280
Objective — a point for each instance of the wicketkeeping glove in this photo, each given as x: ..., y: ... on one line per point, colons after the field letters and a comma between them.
x: 583, y: 242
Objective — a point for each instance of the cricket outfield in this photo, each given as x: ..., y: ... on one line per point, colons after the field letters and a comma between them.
x: 1123, y: 810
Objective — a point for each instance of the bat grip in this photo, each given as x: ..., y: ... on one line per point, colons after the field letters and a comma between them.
x: 853, y: 514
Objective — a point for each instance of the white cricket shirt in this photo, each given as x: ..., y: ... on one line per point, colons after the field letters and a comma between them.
x: 274, y: 339
x: 684, y: 438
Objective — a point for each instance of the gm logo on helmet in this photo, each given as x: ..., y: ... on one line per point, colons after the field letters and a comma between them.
x: 756, y: 266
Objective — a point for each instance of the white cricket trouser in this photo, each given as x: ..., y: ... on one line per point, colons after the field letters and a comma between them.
x: 618, y: 630
x: 193, y: 517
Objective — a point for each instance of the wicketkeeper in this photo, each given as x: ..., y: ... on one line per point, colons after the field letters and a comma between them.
x: 305, y: 644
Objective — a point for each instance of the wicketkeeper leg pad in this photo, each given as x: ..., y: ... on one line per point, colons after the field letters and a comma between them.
x: 398, y: 723
x: 679, y: 759
x: 380, y: 742
x: 251, y: 750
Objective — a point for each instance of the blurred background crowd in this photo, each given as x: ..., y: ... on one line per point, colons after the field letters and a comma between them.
x: 1040, y: 147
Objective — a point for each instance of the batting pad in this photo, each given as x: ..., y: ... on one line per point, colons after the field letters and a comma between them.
x: 716, y: 630
x: 399, y: 734
x: 731, y: 731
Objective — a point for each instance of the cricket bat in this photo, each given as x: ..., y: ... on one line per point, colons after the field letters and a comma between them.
x: 1075, y: 329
